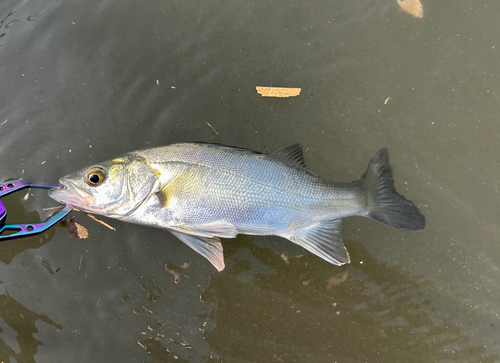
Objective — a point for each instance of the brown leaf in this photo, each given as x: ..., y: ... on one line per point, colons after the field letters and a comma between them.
x: 413, y: 7
x: 75, y: 230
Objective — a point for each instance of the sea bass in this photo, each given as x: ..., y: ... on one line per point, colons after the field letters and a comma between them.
x: 204, y: 192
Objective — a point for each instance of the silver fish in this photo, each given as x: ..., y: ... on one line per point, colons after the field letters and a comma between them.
x: 203, y: 192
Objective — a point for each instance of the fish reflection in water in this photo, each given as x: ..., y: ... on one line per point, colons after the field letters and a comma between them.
x: 361, y: 312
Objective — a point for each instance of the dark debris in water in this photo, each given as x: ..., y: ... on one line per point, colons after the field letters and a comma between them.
x: 176, y: 270
x: 287, y: 258
x: 152, y: 288
x: 159, y: 352
x: 336, y: 280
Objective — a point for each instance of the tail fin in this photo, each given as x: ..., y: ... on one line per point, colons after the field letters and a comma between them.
x: 385, y: 204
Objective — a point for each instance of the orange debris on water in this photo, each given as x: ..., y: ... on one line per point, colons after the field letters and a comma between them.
x: 278, y: 91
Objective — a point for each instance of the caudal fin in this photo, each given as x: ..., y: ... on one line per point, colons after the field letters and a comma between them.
x: 385, y: 204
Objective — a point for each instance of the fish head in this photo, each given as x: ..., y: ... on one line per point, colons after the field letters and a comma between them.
x: 114, y: 188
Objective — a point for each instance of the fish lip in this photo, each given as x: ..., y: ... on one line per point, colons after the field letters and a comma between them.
x: 70, y: 193
x: 72, y: 187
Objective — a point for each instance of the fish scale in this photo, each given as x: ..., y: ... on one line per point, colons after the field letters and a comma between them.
x: 252, y: 165
x: 228, y: 196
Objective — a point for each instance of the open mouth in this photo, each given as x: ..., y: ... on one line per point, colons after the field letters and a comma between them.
x: 71, y: 194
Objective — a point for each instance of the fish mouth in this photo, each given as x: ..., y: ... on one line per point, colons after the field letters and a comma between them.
x: 71, y: 194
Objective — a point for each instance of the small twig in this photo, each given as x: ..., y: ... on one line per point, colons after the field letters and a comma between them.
x: 212, y: 128
x: 81, y: 258
x: 52, y: 208
x: 103, y: 223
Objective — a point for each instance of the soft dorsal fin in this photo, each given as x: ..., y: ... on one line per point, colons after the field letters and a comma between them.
x: 291, y: 155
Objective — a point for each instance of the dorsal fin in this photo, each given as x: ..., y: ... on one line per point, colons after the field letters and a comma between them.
x: 291, y: 155
x: 221, y: 146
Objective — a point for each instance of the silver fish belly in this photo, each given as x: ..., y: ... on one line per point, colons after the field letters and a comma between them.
x: 204, y: 192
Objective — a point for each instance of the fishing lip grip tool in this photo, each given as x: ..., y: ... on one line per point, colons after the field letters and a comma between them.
x: 27, y: 229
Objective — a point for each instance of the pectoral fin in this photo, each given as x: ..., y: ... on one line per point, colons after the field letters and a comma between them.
x: 220, y: 229
x: 324, y: 240
x: 210, y: 248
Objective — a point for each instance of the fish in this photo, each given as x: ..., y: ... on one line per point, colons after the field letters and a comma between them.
x: 203, y: 192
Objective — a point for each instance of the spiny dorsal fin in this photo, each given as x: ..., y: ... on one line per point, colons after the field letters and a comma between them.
x: 291, y: 155
x: 228, y: 147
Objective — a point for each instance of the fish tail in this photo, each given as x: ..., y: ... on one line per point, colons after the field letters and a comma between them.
x: 384, y: 203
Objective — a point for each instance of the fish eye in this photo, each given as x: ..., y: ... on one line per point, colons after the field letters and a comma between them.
x: 95, y: 177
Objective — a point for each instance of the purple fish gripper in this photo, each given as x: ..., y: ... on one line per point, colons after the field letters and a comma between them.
x: 27, y: 229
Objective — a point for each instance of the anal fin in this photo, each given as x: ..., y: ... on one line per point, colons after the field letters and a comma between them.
x: 210, y: 248
x: 324, y: 240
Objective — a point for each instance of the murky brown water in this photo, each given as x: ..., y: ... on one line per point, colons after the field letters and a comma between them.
x: 81, y: 82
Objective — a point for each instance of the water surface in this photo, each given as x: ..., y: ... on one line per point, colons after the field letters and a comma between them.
x: 82, y: 82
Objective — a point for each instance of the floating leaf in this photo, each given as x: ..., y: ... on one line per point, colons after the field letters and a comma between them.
x: 75, y: 230
x: 413, y: 7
